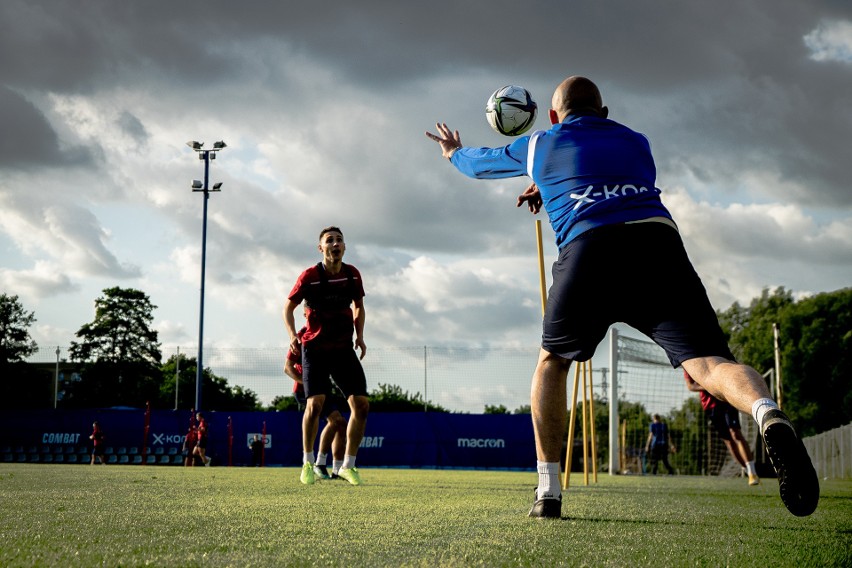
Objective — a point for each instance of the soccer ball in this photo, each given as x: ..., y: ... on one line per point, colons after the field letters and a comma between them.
x: 510, y: 110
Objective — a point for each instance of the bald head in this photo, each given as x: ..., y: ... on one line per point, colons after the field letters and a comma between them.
x: 576, y: 94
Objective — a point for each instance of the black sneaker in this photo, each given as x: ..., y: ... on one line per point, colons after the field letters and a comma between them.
x: 797, y: 479
x: 335, y: 476
x: 546, y: 508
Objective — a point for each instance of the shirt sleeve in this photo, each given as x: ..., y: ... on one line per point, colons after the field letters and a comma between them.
x: 493, y: 163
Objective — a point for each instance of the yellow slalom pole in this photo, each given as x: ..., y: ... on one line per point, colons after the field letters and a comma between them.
x: 569, y: 452
x: 585, y: 421
x: 541, y: 265
x: 592, y: 425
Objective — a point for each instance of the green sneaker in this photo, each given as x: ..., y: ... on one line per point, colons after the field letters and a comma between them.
x: 307, y: 476
x: 351, y: 475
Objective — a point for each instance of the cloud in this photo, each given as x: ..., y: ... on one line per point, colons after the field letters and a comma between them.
x: 44, y: 279
x: 831, y: 41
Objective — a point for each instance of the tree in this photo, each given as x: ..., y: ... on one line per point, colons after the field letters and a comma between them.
x: 816, y: 355
x: 284, y: 403
x: 119, y: 351
x: 749, y: 330
x: 391, y: 398
x: 15, y: 341
x: 217, y: 394
x: 23, y: 385
x: 121, y: 330
x: 815, y: 337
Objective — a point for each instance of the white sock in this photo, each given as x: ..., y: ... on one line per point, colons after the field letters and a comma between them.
x: 321, y: 458
x: 336, y: 465
x: 308, y: 458
x: 750, y: 468
x: 760, y: 407
x: 548, y: 480
x: 348, y: 461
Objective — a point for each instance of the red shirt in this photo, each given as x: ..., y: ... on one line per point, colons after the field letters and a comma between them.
x: 97, y: 437
x: 329, y: 300
x: 708, y: 401
x: 202, y: 429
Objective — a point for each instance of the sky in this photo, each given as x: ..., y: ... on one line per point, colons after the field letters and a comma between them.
x: 324, y: 105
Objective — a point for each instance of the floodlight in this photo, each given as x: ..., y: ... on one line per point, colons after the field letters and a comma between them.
x: 219, y: 145
x: 217, y: 186
x: 197, y: 184
x: 195, y: 145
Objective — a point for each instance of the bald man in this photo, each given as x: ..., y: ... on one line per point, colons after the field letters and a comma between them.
x: 621, y: 259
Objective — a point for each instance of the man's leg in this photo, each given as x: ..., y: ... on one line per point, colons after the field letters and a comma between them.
x: 740, y: 444
x: 744, y: 388
x: 549, y: 407
x: 360, y: 407
x: 310, y: 425
x: 338, y: 447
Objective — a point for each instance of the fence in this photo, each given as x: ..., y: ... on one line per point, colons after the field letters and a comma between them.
x: 831, y: 453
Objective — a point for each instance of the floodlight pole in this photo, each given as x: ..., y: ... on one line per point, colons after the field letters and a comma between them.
x: 199, y: 372
x: 205, y: 155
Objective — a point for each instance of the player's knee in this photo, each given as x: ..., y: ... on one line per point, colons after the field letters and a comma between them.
x: 360, y: 405
x: 337, y: 421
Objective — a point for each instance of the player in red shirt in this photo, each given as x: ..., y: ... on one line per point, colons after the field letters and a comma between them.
x: 201, y: 440
x: 334, y: 295
x: 726, y: 420
x: 97, y: 439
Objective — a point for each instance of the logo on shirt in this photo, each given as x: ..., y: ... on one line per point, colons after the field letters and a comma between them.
x: 589, y: 193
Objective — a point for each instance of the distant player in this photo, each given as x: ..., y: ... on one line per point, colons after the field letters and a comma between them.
x: 726, y: 421
x: 97, y: 439
x: 201, y: 434
x: 659, y: 445
x: 596, y: 180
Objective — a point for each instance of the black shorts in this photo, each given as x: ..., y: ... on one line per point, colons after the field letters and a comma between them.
x: 334, y: 401
x: 724, y: 418
x: 638, y: 274
x: 319, y: 366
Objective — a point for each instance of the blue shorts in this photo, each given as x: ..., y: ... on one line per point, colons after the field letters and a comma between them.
x: 724, y: 418
x: 320, y: 366
x: 638, y: 274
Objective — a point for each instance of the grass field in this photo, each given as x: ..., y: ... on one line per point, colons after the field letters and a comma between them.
x: 74, y: 515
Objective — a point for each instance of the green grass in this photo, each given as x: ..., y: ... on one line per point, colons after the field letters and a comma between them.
x: 74, y: 515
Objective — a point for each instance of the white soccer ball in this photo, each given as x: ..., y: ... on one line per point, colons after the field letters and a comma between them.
x: 511, y: 110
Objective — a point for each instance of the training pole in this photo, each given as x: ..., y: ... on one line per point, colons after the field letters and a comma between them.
x: 541, y: 266
x: 569, y: 452
x: 585, y: 430
x: 592, y: 425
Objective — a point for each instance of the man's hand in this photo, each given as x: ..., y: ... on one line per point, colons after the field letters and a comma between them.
x: 295, y: 345
x: 359, y: 344
x: 532, y: 197
x: 450, y: 141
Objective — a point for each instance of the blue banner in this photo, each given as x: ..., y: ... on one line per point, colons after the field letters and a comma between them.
x: 400, y: 439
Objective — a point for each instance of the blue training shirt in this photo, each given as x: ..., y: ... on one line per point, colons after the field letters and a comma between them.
x: 591, y: 172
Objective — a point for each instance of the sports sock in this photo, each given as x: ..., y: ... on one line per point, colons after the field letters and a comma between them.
x: 321, y: 459
x: 760, y: 407
x: 751, y: 469
x: 308, y: 458
x: 348, y: 461
x: 336, y: 465
x: 548, y: 480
